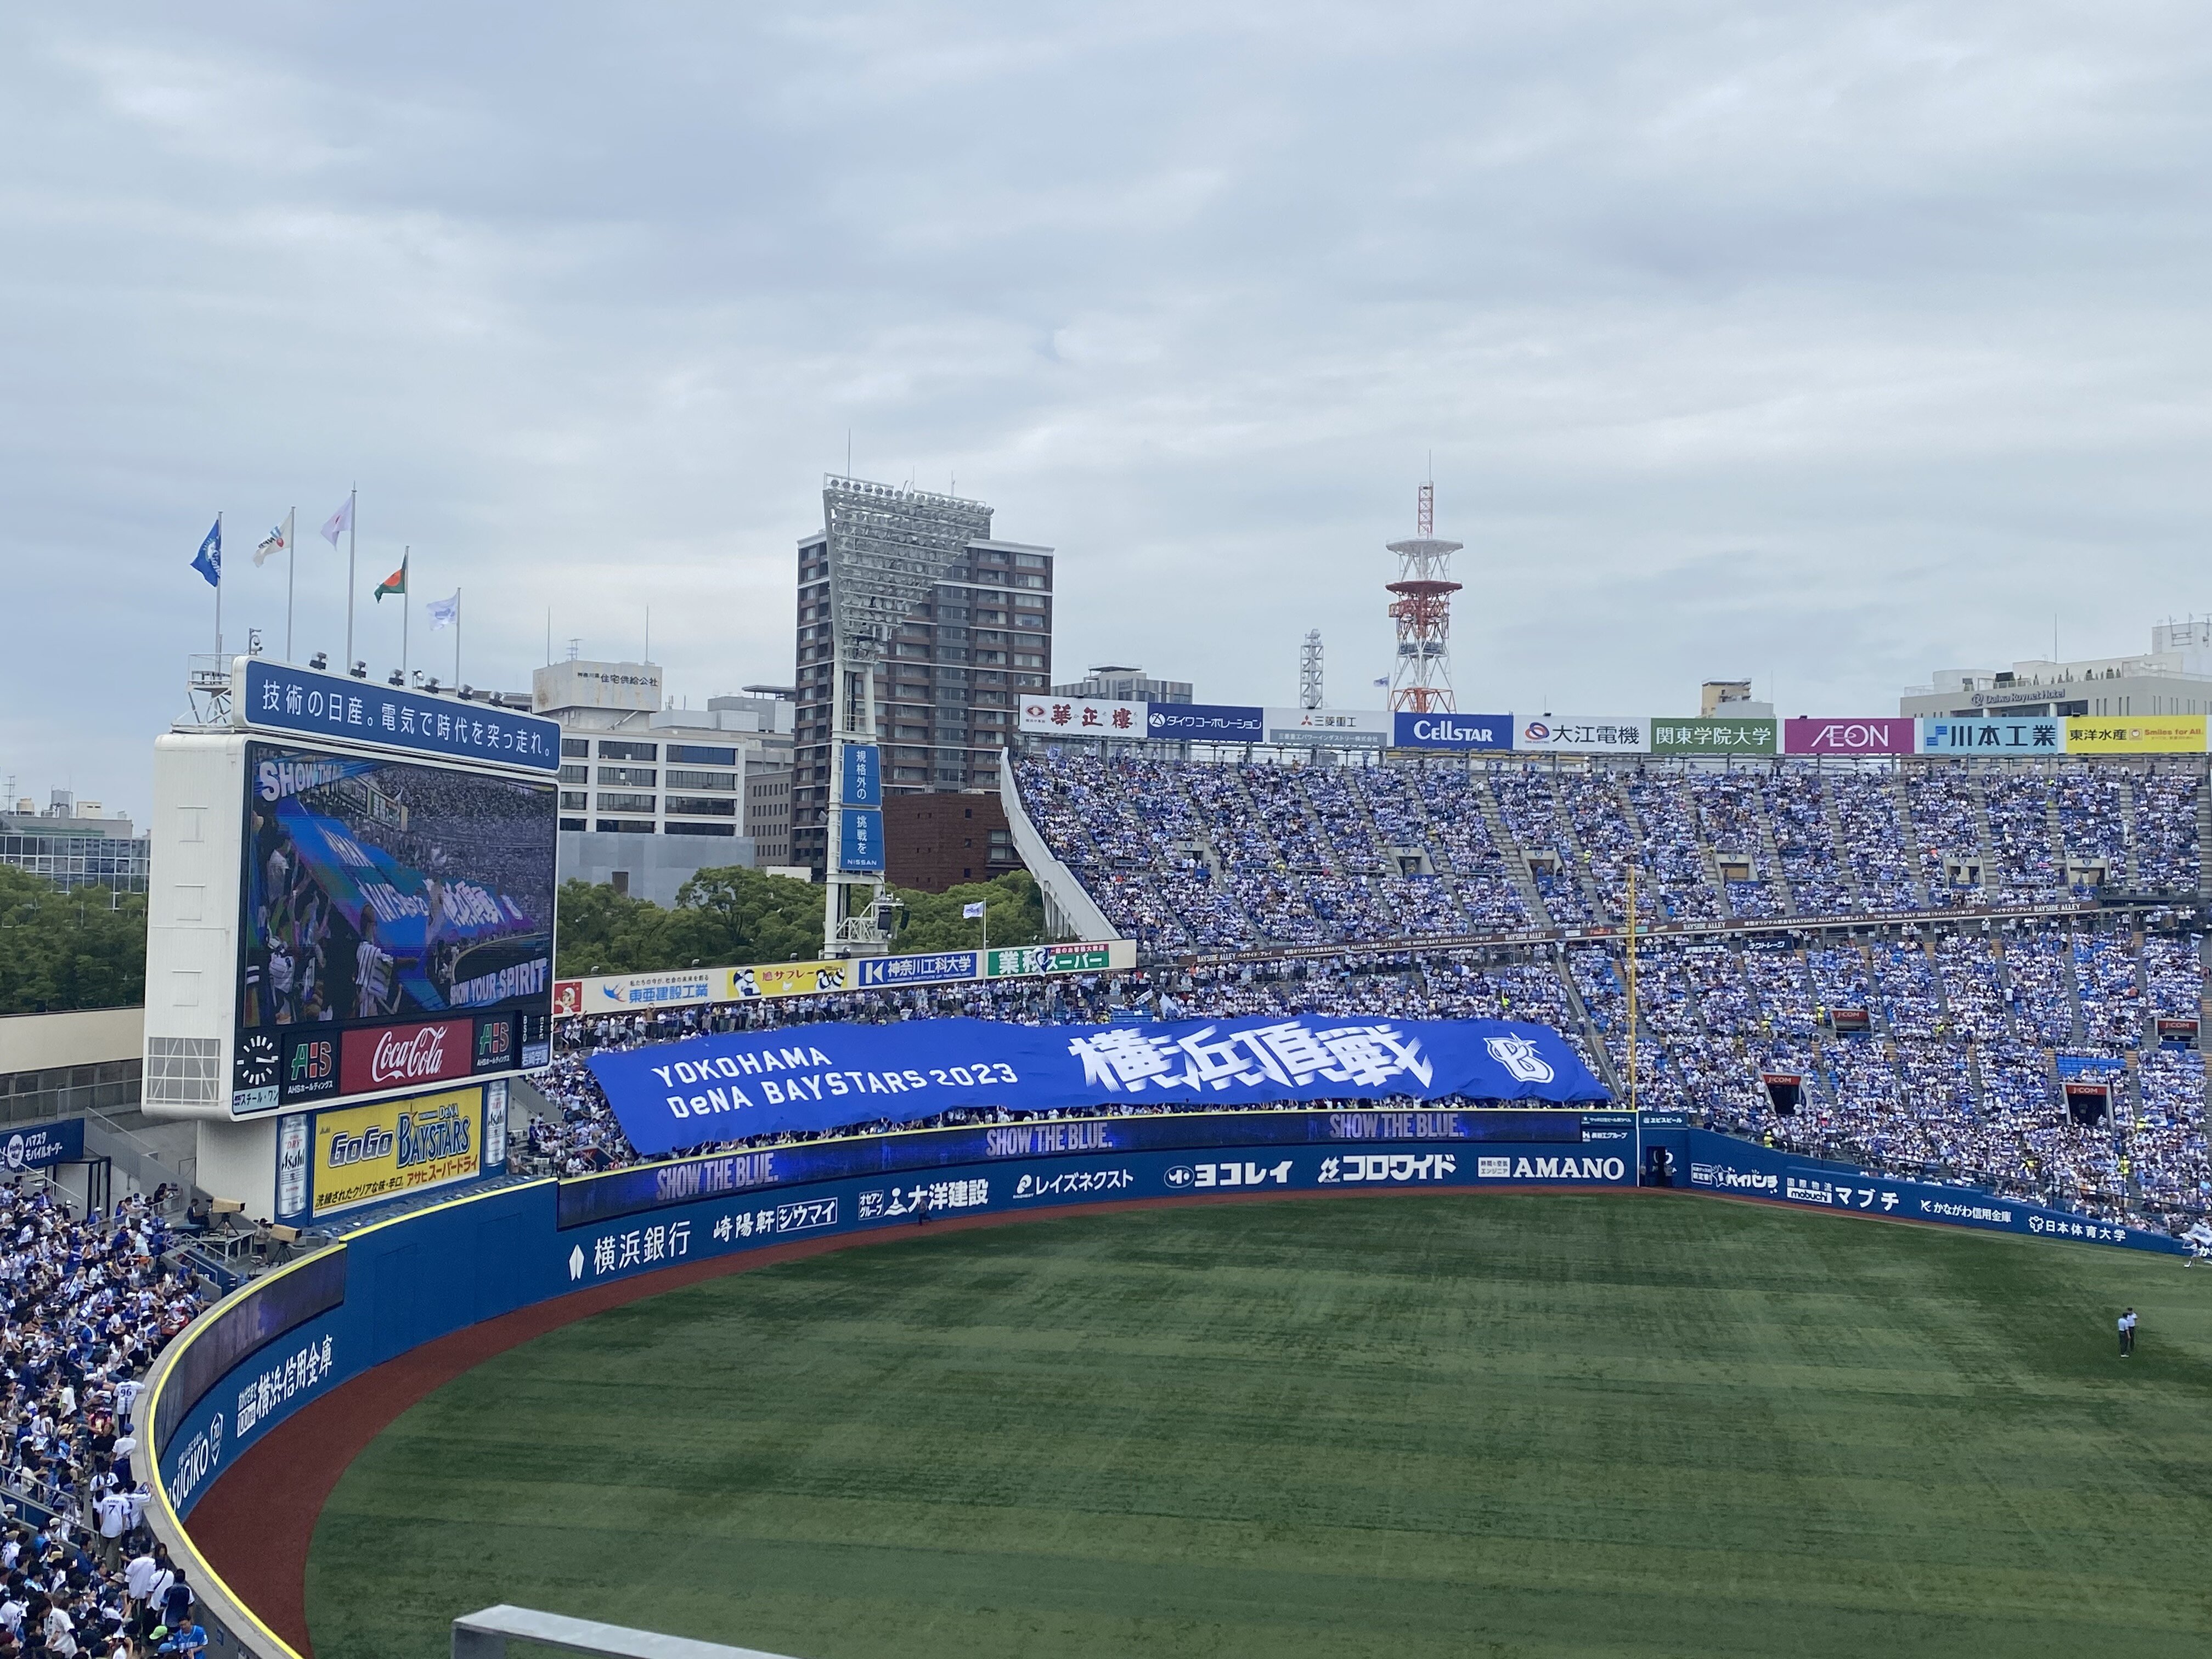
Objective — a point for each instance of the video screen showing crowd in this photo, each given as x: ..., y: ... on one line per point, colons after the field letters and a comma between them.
x: 380, y: 890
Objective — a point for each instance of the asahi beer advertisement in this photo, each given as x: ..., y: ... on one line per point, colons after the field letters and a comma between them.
x: 397, y: 927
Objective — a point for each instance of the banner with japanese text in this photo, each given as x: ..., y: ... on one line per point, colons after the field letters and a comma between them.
x: 811, y: 1078
x: 1081, y: 717
x: 2135, y: 734
x: 1716, y: 734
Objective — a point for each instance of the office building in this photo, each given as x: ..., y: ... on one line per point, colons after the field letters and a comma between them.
x: 946, y: 692
x: 649, y: 795
x: 1112, y: 682
x: 73, y: 845
x: 2174, y: 677
x: 939, y: 841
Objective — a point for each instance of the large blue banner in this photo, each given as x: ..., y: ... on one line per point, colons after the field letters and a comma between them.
x: 814, y: 1078
x: 863, y: 765
x: 282, y: 698
x: 859, y: 838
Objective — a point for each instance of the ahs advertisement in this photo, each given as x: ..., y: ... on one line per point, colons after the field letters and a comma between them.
x: 371, y: 1153
x: 398, y: 926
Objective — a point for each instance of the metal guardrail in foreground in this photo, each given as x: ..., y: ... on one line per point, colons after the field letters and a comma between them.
x: 485, y: 1635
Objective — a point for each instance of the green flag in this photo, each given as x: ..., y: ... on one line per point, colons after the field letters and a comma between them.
x: 395, y: 583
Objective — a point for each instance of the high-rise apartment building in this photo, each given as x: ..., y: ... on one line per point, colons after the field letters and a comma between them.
x: 946, y: 692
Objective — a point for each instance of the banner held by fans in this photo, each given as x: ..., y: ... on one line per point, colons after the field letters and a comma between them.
x: 815, y: 1077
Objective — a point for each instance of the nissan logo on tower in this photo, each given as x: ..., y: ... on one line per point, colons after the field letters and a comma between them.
x: 396, y: 1056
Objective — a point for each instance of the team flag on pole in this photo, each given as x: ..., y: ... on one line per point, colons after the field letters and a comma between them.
x: 971, y: 912
x: 272, y: 542
x: 209, y: 560
x: 339, y: 522
x: 444, y: 613
x: 395, y: 583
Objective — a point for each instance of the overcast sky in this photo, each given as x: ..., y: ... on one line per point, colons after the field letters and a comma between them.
x: 1823, y: 345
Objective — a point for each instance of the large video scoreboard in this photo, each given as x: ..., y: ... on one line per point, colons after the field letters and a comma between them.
x: 352, y: 897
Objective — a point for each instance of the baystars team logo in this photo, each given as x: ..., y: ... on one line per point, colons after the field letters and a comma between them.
x: 1519, y: 1057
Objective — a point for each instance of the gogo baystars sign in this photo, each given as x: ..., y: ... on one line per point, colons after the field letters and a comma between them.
x: 402, y: 1056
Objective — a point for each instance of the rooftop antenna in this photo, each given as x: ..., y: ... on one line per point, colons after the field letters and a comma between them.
x: 575, y: 648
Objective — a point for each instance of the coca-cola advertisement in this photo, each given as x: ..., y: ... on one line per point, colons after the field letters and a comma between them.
x: 382, y: 891
x: 406, y: 1056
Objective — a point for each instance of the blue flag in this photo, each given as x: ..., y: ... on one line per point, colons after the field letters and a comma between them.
x: 209, y: 560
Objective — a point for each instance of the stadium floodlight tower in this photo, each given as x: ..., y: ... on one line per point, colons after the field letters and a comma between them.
x: 1420, y: 680
x: 888, y: 548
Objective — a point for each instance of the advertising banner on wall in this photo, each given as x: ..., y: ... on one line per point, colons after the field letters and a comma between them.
x: 1081, y: 717
x: 1877, y: 735
x: 1995, y: 735
x: 2138, y: 734
x: 1581, y: 734
x: 364, y: 1154
x: 1715, y: 734
x: 935, y: 968
x: 1454, y: 731
x: 734, y: 1085
x: 785, y: 979
x: 1206, y: 722
x: 47, y: 1144
x: 1329, y: 728
x: 1025, y: 959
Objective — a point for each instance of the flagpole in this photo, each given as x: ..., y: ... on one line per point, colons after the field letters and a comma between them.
x: 457, y: 636
x: 406, y: 610
x: 291, y: 573
x: 218, y: 584
x: 352, y: 505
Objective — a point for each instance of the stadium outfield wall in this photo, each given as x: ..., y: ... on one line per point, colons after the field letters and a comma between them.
x: 296, y: 1336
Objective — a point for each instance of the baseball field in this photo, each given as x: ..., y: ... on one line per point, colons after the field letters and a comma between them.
x: 1405, y: 1426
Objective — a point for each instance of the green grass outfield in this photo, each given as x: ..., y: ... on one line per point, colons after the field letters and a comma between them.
x: 1400, y: 1427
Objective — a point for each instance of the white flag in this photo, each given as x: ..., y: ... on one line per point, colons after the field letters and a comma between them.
x: 445, y: 612
x: 971, y: 912
x: 339, y: 522
x: 275, y: 541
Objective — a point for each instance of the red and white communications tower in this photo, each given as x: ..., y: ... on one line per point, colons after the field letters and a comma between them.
x: 1420, y: 681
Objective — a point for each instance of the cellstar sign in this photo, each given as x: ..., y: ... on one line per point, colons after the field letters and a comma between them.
x: 1081, y: 717
x: 1206, y: 722
x: 1329, y: 728
x: 1993, y: 736
x: 1580, y: 734
x: 1877, y: 736
x: 1451, y: 731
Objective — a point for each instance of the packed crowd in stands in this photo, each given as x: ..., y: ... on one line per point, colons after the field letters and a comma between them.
x: 1933, y: 1046
x: 89, y: 1303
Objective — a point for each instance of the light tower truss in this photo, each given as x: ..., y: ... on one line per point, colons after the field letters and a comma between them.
x: 1309, y: 690
x: 888, y: 548
x: 1420, y: 676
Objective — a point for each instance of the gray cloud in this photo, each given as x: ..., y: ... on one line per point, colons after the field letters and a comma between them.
x: 1827, y: 345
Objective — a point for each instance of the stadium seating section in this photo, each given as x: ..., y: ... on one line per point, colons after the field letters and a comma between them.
x: 1931, y: 1038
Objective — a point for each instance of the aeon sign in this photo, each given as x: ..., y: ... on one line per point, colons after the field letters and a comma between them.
x: 1451, y: 731
x: 1847, y: 737
x: 398, y: 1056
